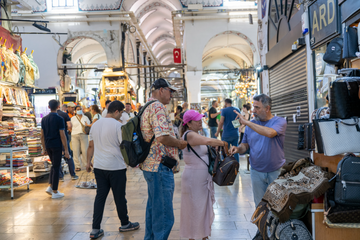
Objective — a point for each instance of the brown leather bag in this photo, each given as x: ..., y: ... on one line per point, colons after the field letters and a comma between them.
x: 226, y: 172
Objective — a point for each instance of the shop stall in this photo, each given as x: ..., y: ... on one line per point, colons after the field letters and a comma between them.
x: 19, y: 135
x: 116, y: 86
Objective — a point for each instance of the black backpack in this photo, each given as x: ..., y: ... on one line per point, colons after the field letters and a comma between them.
x: 333, y: 52
x: 127, y: 146
x: 347, y: 185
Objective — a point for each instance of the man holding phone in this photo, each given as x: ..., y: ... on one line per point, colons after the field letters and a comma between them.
x: 265, y: 136
x: 230, y: 132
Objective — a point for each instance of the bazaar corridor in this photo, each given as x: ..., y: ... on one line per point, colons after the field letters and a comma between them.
x: 33, y: 215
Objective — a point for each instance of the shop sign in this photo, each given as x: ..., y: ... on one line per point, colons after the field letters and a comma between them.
x: 263, y: 8
x: 323, y: 21
x: 45, y: 91
x: 348, y: 9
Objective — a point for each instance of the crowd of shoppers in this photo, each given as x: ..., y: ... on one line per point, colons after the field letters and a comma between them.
x: 263, y: 137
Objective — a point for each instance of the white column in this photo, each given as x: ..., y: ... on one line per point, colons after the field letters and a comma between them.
x: 194, y: 89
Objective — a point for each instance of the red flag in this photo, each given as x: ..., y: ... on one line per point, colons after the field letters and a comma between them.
x: 177, y: 55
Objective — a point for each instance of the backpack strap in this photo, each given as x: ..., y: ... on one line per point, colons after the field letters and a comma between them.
x: 142, y: 111
x: 190, y: 148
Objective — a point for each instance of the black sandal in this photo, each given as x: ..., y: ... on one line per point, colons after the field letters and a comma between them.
x: 100, y: 233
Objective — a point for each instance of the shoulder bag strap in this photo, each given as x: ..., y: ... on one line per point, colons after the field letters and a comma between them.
x: 189, y: 147
x: 79, y: 121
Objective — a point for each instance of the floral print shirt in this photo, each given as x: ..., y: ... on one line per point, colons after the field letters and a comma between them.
x: 156, y: 121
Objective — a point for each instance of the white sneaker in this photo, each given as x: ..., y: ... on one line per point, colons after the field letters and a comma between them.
x: 57, y: 195
x: 49, y: 190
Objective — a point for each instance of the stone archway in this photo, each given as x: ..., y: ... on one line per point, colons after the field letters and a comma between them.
x: 110, y: 41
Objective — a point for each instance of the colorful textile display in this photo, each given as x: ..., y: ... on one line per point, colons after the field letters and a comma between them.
x: 22, y: 69
x: 35, y: 67
x: 5, y: 179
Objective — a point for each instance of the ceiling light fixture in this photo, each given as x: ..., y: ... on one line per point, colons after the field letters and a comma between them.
x: 41, y: 27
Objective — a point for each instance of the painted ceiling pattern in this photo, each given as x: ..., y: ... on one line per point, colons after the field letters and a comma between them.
x: 243, y: 36
x: 151, y: 7
x: 162, y: 37
x: 205, y: 3
x: 95, y: 5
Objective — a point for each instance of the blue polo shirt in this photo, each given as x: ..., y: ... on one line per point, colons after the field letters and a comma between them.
x: 266, y: 154
x: 51, y: 125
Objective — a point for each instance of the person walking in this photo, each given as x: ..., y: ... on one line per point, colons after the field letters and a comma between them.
x: 87, y: 112
x: 265, y: 136
x: 178, y: 120
x: 69, y: 160
x: 197, y: 187
x: 230, y: 134
x: 71, y: 113
x: 53, y: 140
x: 104, y: 113
x: 64, y: 108
x: 95, y: 112
x: 159, y: 165
x: 109, y: 168
x: 246, y: 114
x: 185, y: 107
x: 127, y: 114
x: 80, y: 140
x: 212, y: 118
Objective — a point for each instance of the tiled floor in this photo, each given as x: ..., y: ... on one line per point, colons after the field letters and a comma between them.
x: 34, y: 215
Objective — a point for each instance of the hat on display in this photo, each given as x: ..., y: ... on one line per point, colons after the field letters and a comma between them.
x: 162, y: 83
x: 71, y: 104
x: 192, y: 115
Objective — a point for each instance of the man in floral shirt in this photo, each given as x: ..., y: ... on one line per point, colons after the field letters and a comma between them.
x: 160, y: 178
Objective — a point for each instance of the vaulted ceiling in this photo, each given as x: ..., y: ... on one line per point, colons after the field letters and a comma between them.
x: 155, y: 21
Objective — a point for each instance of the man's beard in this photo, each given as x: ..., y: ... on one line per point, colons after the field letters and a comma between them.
x: 256, y: 118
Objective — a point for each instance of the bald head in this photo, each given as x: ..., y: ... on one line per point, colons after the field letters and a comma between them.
x: 185, y: 106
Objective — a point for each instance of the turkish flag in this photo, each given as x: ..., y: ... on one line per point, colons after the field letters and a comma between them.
x: 177, y: 55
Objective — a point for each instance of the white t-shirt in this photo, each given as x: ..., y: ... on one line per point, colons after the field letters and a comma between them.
x: 76, y: 126
x: 97, y: 116
x: 126, y: 116
x: 104, y: 113
x: 106, y: 134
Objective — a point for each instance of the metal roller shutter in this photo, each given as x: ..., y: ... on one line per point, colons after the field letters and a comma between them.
x: 288, y: 91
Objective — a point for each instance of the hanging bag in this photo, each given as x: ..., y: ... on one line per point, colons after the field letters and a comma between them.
x: 319, y: 113
x: 338, y: 136
x: 344, y: 99
x: 85, y: 129
x: 350, y: 42
x: 333, y: 52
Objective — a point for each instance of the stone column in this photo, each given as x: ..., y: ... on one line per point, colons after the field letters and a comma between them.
x: 193, y: 79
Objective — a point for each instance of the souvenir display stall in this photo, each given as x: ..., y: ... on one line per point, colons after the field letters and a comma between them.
x: 116, y: 86
x: 19, y: 135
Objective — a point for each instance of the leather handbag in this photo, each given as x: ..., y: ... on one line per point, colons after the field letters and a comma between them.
x: 301, y: 137
x: 225, y: 172
x: 338, y: 136
x: 350, y: 42
x: 85, y: 129
x: 333, y: 52
x: 260, y: 219
x: 347, y: 185
x: 309, y: 137
x: 344, y: 99
x: 338, y: 213
x: 318, y: 114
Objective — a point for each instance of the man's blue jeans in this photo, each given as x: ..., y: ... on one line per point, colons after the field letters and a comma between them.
x: 260, y: 181
x: 159, y: 209
x: 234, y: 141
x: 213, y: 130
x: 206, y: 132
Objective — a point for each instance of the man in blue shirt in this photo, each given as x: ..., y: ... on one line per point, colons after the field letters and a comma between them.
x: 230, y: 134
x: 265, y: 135
x: 53, y: 139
